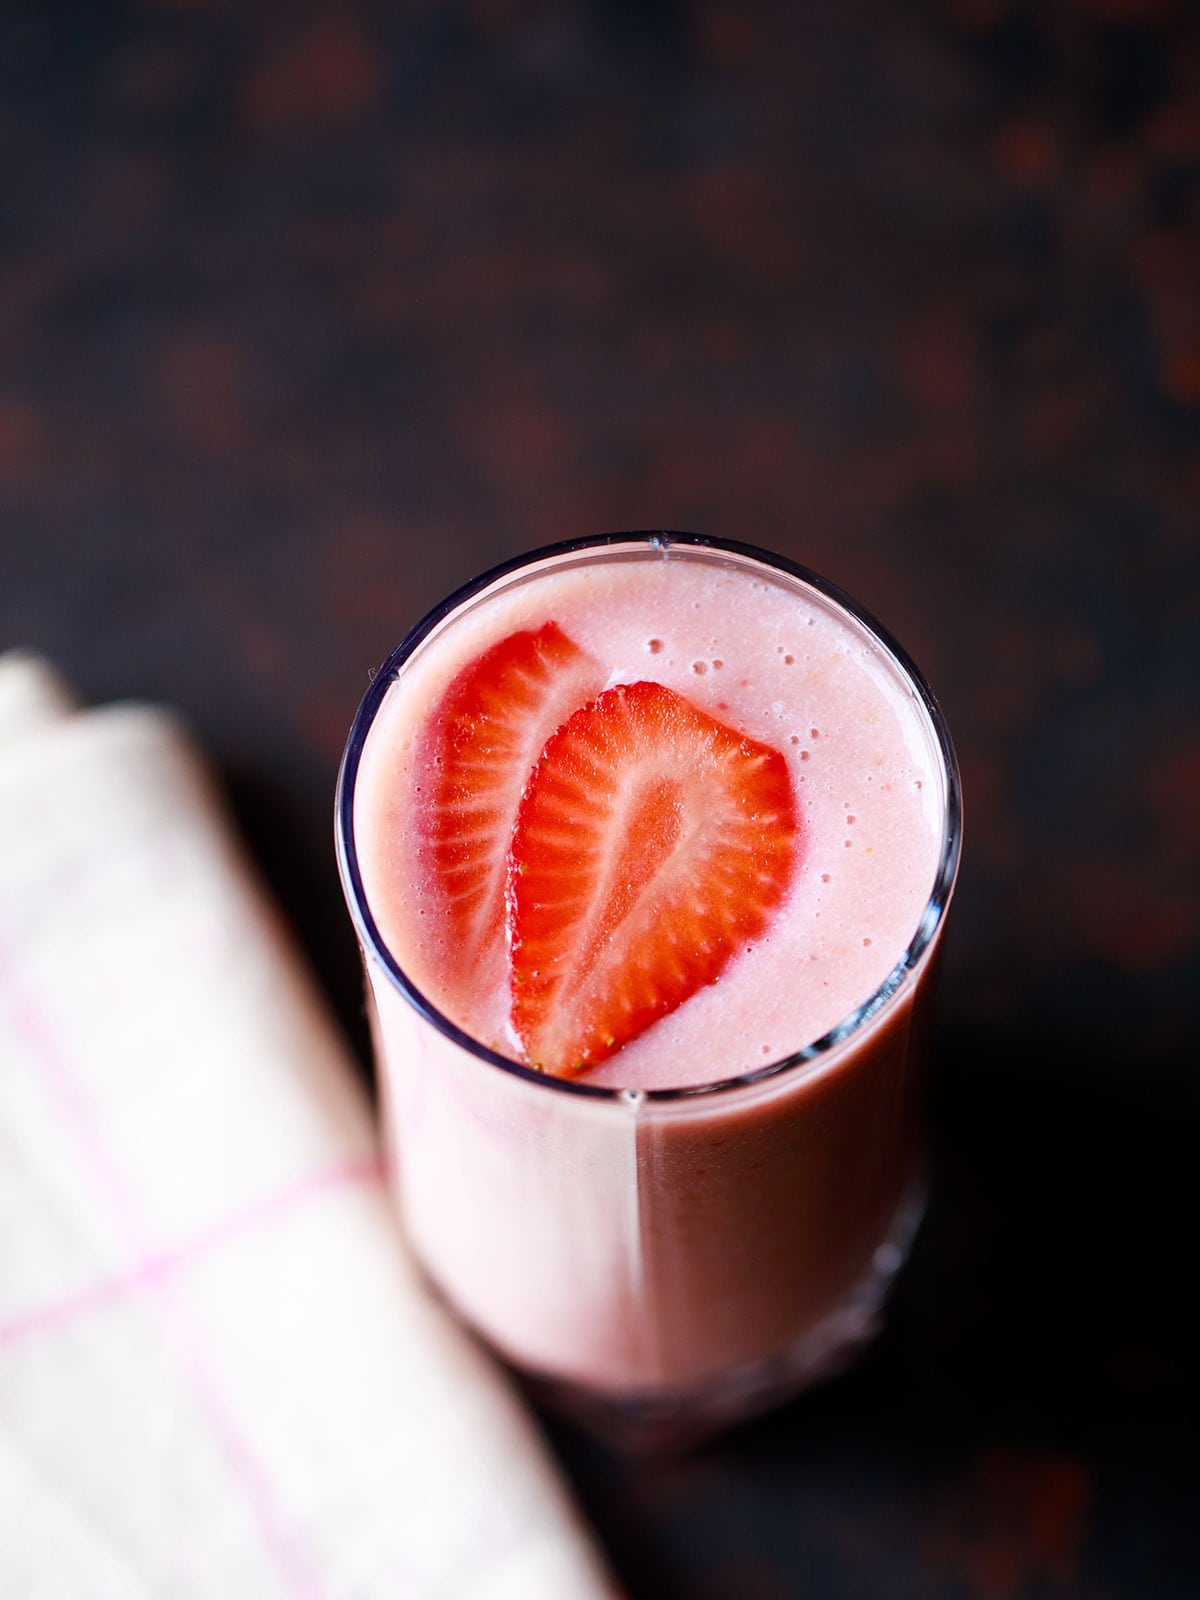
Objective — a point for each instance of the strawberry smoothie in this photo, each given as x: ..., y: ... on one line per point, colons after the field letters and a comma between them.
x: 648, y: 842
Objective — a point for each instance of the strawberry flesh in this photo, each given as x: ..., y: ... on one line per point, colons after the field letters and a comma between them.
x: 483, y: 740
x: 652, y: 844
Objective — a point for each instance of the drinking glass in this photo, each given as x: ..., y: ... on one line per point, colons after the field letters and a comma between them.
x: 663, y: 1261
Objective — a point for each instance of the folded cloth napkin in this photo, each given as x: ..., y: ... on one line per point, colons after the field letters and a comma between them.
x: 219, y: 1373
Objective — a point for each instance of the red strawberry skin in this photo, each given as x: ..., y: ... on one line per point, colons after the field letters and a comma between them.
x: 483, y: 740
x: 652, y: 844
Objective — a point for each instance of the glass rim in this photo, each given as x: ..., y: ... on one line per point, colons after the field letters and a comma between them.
x: 661, y: 541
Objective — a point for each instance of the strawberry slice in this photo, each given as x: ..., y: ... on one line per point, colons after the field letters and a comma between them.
x: 483, y: 740
x: 651, y: 844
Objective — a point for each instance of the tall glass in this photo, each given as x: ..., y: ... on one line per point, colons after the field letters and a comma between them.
x: 660, y: 1261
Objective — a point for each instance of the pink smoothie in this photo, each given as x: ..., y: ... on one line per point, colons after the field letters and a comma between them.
x: 629, y: 1243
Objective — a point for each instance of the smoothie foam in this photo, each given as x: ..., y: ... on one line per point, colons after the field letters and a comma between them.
x: 784, y: 669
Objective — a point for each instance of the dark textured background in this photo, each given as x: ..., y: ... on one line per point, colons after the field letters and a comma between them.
x: 307, y: 314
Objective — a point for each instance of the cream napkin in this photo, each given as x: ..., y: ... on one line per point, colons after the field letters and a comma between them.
x: 219, y: 1374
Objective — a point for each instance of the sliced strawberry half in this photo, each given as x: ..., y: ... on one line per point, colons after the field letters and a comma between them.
x: 651, y: 845
x: 483, y: 740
